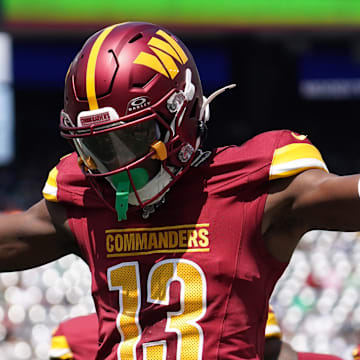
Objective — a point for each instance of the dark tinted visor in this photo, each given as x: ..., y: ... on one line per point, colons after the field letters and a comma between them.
x: 114, y: 149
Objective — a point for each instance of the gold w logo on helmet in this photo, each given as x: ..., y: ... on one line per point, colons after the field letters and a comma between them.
x: 166, y: 52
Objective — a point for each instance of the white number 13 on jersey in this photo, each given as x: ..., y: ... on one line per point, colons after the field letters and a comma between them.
x: 125, y: 278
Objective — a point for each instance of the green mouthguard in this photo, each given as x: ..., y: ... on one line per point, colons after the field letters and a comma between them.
x: 123, y: 187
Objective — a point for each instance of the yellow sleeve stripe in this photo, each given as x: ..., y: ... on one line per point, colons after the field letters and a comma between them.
x: 60, y: 348
x: 295, y: 158
x: 272, y: 331
x: 50, y: 189
x: 272, y: 327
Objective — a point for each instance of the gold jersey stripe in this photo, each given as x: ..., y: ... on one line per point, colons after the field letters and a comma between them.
x: 152, y: 62
x: 294, y: 152
x: 295, y: 167
x: 174, y: 44
x: 60, y: 348
x: 50, y: 189
x: 292, y: 159
x: 52, y: 178
x: 91, y: 67
x: 272, y: 327
x: 272, y: 331
x: 168, y: 61
x: 271, y: 320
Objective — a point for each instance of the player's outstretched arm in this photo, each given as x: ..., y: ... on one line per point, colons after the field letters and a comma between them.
x: 311, y: 200
x: 34, y: 237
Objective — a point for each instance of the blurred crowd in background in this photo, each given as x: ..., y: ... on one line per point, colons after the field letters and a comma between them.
x: 292, y: 70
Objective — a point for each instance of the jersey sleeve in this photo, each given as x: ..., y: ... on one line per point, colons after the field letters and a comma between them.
x: 59, y: 346
x: 67, y: 184
x: 272, y: 328
x: 50, y: 189
x: 293, y: 154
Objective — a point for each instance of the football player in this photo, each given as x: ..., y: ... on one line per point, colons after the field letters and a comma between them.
x: 184, y: 245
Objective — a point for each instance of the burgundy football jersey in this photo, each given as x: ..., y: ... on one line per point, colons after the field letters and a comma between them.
x: 193, y: 280
x: 76, y: 338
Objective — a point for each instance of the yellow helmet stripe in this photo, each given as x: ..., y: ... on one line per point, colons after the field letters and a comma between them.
x: 174, y: 44
x: 90, y: 71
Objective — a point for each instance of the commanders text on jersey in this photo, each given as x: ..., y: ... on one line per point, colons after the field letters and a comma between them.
x: 180, y: 238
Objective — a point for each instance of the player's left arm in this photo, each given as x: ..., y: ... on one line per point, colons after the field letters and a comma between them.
x: 313, y: 199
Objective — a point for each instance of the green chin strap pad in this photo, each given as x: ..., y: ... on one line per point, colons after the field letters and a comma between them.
x: 123, y: 187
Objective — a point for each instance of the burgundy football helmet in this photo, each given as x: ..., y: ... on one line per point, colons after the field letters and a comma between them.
x: 132, y: 95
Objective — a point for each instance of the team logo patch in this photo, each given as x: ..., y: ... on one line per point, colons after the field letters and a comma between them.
x: 167, y: 53
x: 137, y: 104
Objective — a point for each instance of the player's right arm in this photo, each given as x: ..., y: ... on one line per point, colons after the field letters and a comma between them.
x: 34, y: 237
